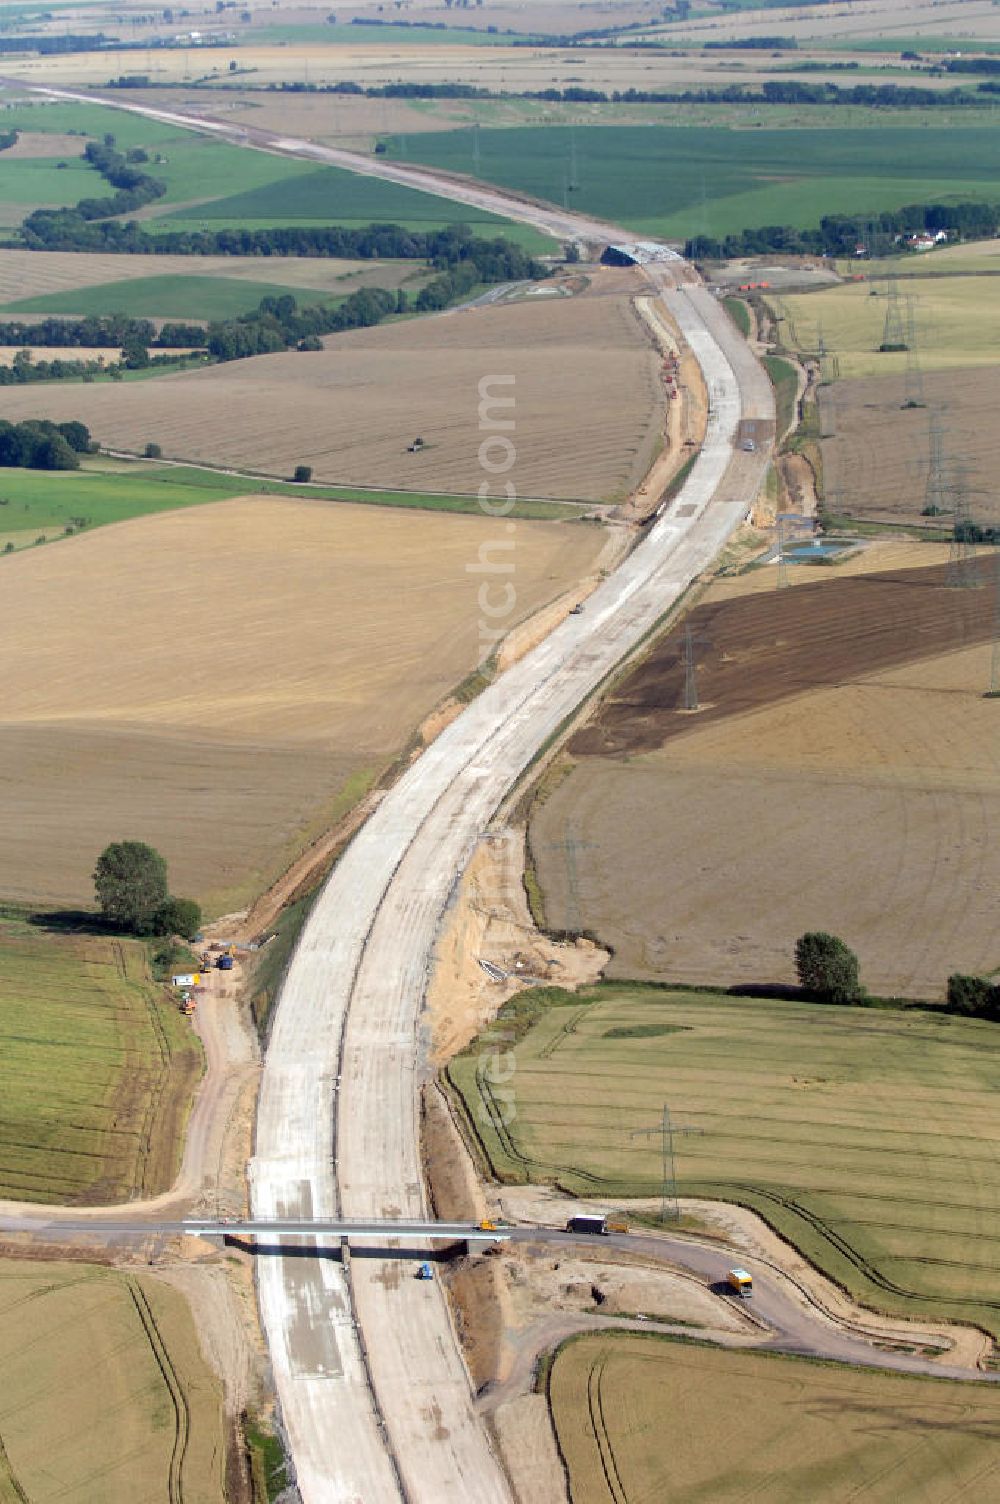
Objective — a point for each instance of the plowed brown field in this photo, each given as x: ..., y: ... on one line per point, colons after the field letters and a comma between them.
x: 223, y: 681
x: 843, y: 775
x: 589, y: 402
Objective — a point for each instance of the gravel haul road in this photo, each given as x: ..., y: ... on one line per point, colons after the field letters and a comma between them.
x: 374, y: 1393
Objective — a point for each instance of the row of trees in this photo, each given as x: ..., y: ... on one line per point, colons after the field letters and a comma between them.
x: 130, y: 880
x: 65, y: 230
x: 37, y: 444
x: 107, y: 331
x: 135, y: 357
x: 841, y: 234
x: 280, y: 324
x: 45, y: 44
x: 135, y: 188
x: 776, y: 91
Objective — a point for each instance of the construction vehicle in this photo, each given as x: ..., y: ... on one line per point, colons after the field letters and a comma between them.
x: 487, y: 1226
x: 740, y: 1282
x: 617, y: 1227
x: 224, y: 963
x: 595, y: 1225
x: 425, y: 1272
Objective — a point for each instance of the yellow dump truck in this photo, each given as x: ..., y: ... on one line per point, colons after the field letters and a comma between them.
x: 740, y: 1282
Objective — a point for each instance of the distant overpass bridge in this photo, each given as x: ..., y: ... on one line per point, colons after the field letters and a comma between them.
x: 265, y: 1230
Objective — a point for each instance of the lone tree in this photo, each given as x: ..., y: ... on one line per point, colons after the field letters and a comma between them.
x: 828, y: 969
x: 131, y: 883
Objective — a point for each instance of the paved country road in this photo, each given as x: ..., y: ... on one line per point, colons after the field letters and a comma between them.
x: 374, y: 1393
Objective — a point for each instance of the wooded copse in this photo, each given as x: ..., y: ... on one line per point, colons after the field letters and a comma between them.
x: 37, y: 444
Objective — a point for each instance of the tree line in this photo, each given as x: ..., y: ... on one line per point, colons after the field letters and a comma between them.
x: 67, y: 230
x: 135, y: 188
x: 841, y: 234
x: 278, y: 323
x: 47, y: 45
x: 37, y: 444
x: 104, y: 331
x: 24, y: 369
x: 776, y: 91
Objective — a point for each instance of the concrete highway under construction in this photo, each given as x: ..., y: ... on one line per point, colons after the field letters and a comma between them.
x: 374, y: 1394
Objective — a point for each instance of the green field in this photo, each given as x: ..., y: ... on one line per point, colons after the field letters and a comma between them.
x: 30, y: 181
x: 328, y: 195
x: 676, y: 181
x: 106, y: 1394
x: 214, y: 184
x: 172, y: 297
x: 97, y: 1070
x: 644, y: 1418
x: 394, y: 36
x: 33, y: 502
x: 868, y: 1138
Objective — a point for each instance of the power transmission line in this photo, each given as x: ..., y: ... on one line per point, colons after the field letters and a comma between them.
x: 665, y: 1130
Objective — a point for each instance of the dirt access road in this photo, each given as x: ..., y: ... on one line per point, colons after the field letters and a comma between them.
x: 363, y: 1349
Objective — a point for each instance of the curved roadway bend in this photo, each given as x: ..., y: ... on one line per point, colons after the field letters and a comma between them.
x: 353, y: 995
x: 351, y: 1001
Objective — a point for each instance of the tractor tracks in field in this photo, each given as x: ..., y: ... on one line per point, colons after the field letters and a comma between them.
x: 606, y: 1452
x: 178, y: 1399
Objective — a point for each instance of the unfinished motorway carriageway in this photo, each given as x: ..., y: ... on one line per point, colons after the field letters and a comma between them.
x: 374, y: 1393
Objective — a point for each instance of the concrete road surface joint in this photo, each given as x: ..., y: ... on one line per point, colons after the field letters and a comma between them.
x: 374, y: 1393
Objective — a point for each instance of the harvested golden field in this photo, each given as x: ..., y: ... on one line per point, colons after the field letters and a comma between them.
x: 876, y: 454
x: 31, y: 274
x: 646, y: 1418
x: 400, y: 60
x: 957, y: 322
x: 106, y: 1393
x: 843, y: 776
x: 108, y: 354
x: 945, y: 260
x: 588, y: 402
x: 222, y: 681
